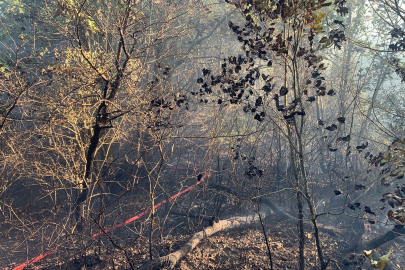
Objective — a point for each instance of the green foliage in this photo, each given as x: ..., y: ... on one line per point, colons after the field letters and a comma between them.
x: 382, y: 263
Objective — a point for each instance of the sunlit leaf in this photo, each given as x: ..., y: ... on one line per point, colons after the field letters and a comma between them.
x: 382, y: 263
x: 369, y: 254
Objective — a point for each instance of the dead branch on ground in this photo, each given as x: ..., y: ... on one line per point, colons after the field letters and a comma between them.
x: 170, y: 260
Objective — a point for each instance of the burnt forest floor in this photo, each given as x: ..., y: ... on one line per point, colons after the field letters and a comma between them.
x: 238, y: 248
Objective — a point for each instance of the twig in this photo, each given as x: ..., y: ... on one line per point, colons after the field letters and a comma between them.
x: 265, y: 237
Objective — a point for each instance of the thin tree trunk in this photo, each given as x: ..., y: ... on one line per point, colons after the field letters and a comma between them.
x: 301, y: 235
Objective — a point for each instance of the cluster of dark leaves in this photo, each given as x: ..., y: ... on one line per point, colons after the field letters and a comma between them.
x: 160, y: 109
x: 393, y: 199
x: 399, y: 68
x: 392, y: 169
x: 398, y: 36
x: 238, y: 88
x: 236, y: 150
x: 259, y: 43
x: 375, y: 159
x: 160, y: 106
x: 251, y: 170
x: 398, y: 44
x: 337, y: 36
x: 367, y: 209
x: 344, y: 139
x: 396, y: 200
x: 357, y: 205
x: 241, y: 73
x: 342, y: 10
x: 353, y: 206
x: 347, y: 138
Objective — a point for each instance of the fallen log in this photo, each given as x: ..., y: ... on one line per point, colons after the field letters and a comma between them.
x: 380, y: 240
x: 170, y: 260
